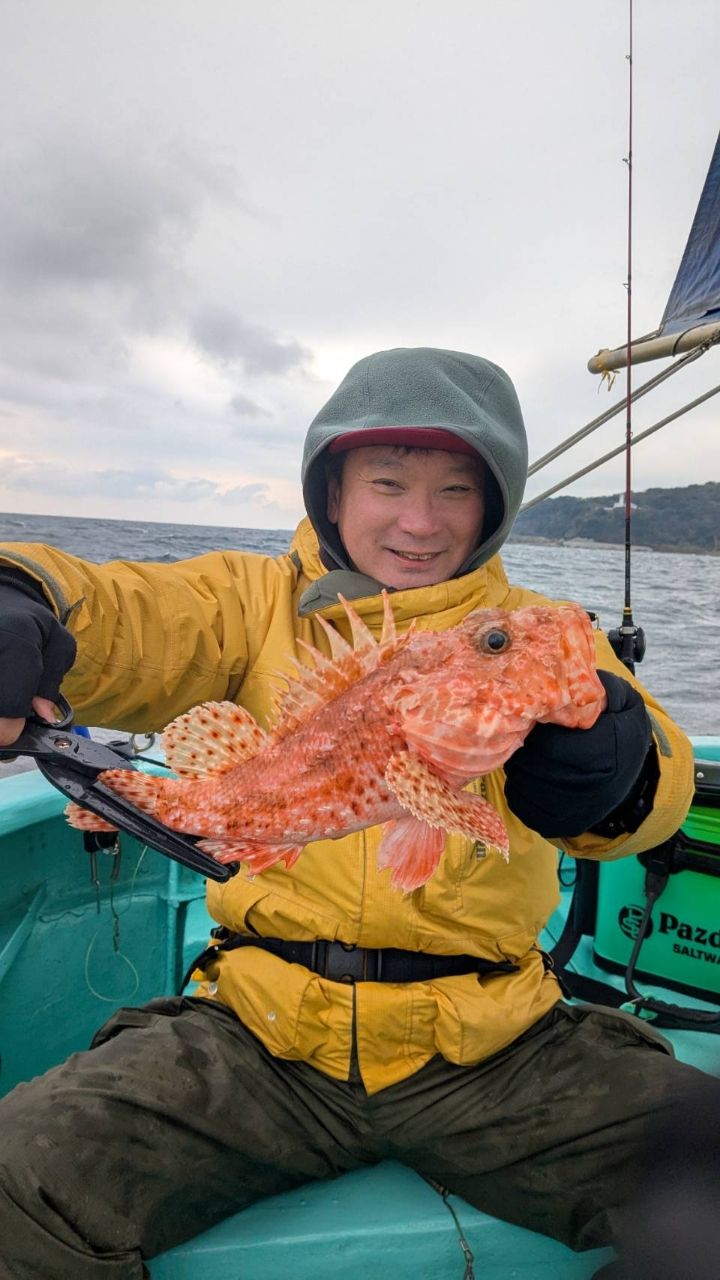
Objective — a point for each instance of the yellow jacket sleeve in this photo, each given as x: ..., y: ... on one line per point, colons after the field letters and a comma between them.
x: 154, y: 639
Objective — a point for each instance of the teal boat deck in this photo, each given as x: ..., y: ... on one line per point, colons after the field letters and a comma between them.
x: 369, y: 1225
x: 66, y: 943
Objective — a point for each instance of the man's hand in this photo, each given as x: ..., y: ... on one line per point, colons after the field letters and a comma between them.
x: 35, y: 653
x: 10, y: 729
x: 563, y: 782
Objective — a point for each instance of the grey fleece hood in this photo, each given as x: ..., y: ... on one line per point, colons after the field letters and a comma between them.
x: 418, y: 387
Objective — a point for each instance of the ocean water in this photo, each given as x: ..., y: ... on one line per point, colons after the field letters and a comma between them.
x: 674, y: 597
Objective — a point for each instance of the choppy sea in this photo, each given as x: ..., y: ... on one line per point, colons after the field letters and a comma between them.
x: 674, y: 597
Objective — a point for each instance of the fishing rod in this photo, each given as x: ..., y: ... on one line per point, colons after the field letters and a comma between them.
x: 628, y: 640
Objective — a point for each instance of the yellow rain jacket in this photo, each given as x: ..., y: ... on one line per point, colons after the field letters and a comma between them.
x: 156, y: 639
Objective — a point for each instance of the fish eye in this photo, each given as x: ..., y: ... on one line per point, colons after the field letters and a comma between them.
x: 493, y: 641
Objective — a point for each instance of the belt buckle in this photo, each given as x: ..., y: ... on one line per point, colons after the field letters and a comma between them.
x: 345, y: 962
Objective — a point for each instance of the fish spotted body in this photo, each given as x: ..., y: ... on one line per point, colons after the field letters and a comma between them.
x: 386, y: 731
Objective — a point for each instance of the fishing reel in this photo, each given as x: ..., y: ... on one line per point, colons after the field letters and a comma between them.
x: 628, y: 643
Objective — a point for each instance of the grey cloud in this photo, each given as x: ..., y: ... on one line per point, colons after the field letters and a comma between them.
x: 96, y: 248
x: 55, y: 341
x: 254, y: 493
x: 246, y: 408
x: 100, y: 246
x: 88, y: 213
x: 224, y: 336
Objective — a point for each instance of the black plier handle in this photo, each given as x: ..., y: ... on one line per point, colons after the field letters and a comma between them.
x: 72, y: 764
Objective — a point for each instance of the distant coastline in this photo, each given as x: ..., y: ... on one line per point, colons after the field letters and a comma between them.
x: 684, y: 520
x: 593, y: 544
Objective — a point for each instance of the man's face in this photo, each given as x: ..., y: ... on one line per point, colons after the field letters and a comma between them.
x: 408, y: 518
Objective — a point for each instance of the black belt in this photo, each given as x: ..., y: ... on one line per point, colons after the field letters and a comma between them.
x: 344, y: 962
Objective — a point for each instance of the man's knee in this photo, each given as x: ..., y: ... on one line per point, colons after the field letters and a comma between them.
x: 39, y: 1231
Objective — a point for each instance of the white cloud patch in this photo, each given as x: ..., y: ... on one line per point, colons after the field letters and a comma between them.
x: 151, y: 484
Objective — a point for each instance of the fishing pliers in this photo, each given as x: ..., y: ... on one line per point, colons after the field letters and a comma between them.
x: 72, y: 764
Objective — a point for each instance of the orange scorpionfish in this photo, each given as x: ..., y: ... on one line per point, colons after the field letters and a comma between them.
x: 386, y: 731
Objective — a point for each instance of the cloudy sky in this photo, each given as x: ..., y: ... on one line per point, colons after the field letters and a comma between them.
x: 211, y: 209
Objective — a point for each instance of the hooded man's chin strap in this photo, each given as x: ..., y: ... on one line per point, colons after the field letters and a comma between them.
x: 341, y: 581
x: 325, y: 591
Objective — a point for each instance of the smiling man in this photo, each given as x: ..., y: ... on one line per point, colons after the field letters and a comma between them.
x: 413, y: 472
x: 336, y: 1021
x: 407, y: 516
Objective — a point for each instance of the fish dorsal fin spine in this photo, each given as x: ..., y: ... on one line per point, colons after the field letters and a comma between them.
x: 318, y: 682
x: 212, y: 739
x: 364, y: 641
x: 339, y: 647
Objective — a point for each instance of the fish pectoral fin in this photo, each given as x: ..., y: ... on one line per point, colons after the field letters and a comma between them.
x: 212, y: 739
x: 412, y: 848
x: 434, y: 801
x: 257, y: 856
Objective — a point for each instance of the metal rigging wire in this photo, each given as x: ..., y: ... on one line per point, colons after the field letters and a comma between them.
x: 616, y: 408
x: 642, y: 435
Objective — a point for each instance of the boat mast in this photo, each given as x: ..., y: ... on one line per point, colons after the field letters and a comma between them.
x: 627, y: 640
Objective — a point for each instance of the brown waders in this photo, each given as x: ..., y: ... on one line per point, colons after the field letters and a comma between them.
x: 178, y: 1117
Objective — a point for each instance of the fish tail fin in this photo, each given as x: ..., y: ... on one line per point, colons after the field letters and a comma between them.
x: 142, y: 789
x: 83, y: 820
x: 412, y: 848
x: 211, y: 739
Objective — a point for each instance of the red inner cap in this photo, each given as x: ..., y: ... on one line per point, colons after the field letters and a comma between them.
x: 419, y: 437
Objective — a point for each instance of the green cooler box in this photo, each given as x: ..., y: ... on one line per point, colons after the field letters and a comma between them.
x: 681, y: 948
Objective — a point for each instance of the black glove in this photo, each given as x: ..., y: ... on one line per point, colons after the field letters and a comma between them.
x: 563, y: 782
x: 35, y: 649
